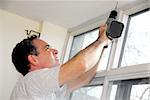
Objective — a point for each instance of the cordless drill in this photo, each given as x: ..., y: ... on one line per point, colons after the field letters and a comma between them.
x: 114, y: 28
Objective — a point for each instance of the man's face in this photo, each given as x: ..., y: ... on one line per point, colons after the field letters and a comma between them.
x: 47, y: 57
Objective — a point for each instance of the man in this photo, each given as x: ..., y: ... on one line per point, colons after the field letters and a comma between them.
x: 44, y: 77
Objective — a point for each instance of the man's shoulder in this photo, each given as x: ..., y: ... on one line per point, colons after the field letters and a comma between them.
x: 40, y: 72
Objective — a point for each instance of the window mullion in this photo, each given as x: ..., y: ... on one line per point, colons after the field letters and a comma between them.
x: 119, y: 42
x: 105, y: 93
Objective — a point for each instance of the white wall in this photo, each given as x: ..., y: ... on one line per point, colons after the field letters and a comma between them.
x: 52, y: 33
x: 12, y: 31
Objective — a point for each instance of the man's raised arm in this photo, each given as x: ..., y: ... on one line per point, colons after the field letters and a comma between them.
x: 84, y: 60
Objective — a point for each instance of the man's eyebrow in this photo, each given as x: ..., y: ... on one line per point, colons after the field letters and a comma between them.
x: 47, y: 45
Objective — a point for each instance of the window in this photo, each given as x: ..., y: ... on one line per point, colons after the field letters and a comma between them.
x: 83, y: 40
x: 135, y: 89
x: 130, y: 78
x: 88, y: 93
x: 136, y: 50
x: 140, y: 92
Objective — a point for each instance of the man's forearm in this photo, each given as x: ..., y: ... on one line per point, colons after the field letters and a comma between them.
x: 85, y: 78
x: 82, y: 62
x: 90, y: 55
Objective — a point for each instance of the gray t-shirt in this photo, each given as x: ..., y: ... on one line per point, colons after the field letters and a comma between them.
x: 41, y: 84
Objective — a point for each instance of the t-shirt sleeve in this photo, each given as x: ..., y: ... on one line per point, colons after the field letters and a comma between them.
x: 43, y: 82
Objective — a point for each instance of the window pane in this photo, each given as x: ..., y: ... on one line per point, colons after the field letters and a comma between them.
x: 88, y: 93
x: 137, y: 44
x: 89, y: 38
x: 83, y: 40
x: 76, y: 45
x: 113, y: 92
x: 140, y: 92
x: 134, y: 89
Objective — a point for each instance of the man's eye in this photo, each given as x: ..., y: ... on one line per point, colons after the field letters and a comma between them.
x: 47, y: 48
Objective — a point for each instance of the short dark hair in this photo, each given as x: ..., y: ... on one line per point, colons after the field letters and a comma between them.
x: 20, y: 54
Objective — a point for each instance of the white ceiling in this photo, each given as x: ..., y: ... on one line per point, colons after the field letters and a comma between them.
x: 65, y: 13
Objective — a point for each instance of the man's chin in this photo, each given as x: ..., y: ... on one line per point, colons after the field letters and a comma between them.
x: 56, y: 65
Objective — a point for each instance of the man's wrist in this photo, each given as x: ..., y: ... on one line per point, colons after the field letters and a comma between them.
x: 102, y: 42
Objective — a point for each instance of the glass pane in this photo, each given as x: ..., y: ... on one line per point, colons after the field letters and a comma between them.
x: 89, y: 38
x: 76, y: 45
x: 88, y: 93
x: 134, y: 89
x: 140, y: 92
x: 113, y: 92
x: 83, y: 40
x: 137, y: 45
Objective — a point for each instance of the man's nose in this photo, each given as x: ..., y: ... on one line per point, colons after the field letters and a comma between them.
x: 55, y: 51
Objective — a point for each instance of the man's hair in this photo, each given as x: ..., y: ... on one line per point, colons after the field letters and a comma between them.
x: 20, y: 54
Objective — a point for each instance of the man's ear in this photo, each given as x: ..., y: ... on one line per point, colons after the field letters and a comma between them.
x: 32, y: 59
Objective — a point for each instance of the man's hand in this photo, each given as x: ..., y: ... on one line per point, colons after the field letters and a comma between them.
x: 102, y: 35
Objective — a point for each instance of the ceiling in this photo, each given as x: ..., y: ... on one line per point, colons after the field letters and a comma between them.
x: 65, y: 13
